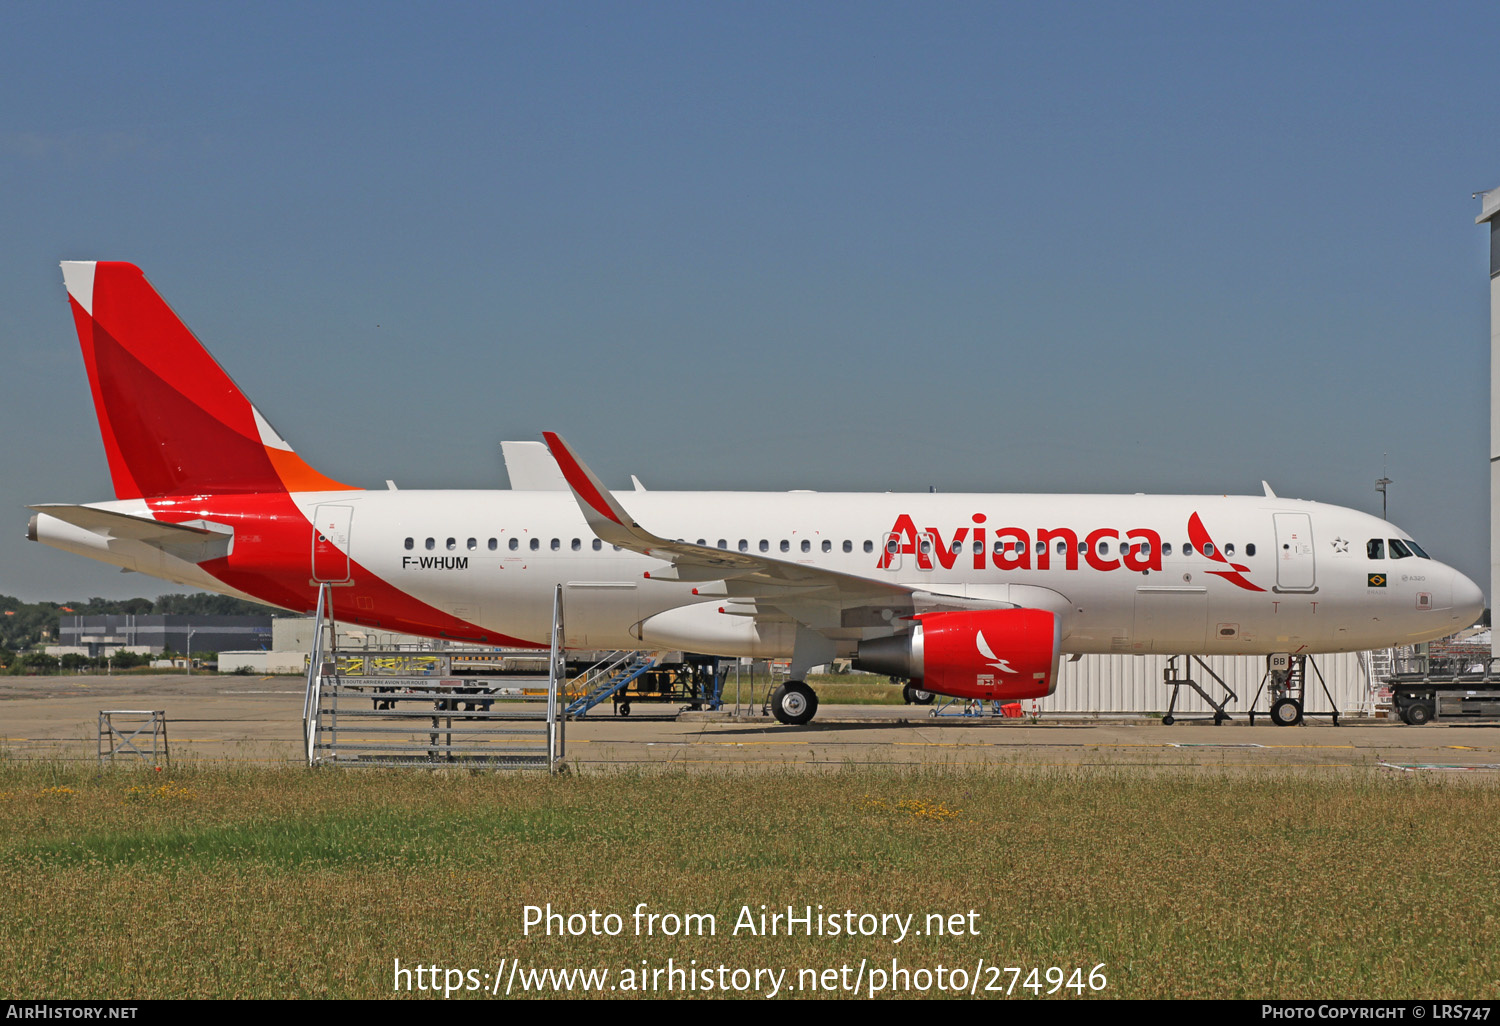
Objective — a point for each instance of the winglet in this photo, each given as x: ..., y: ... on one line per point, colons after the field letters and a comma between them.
x: 600, y: 508
x: 1269, y: 494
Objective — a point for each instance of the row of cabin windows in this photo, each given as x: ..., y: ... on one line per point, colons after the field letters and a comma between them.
x: 515, y: 543
x: 893, y: 546
x: 1400, y: 549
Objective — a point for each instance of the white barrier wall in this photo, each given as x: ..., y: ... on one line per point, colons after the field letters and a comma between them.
x: 1133, y: 684
x: 263, y: 662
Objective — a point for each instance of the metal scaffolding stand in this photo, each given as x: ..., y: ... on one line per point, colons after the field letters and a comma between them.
x: 971, y: 707
x: 1286, y: 683
x: 431, y: 710
x: 1170, y: 678
x: 116, y: 739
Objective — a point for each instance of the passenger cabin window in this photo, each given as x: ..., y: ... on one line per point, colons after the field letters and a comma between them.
x: 1208, y: 548
x: 599, y: 544
x: 452, y: 544
x: 806, y: 545
x: 926, y: 546
x: 1229, y: 550
x: 515, y: 543
x: 1250, y: 549
x: 827, y: 546
x: 765, y: 546
x: 1166, y: 548
x: 1375, y: 548
x: 893, y: 545
x: 978, y: 547
x: 786, y: 546
x: 473, y: 544
x: 556, y: 544
x: 723, y: 544
x: 431, y: 543
x: 1187, y: 549
x: 536, y: 544
x: 494, y: 544
x: 848, y: 545
x: 410, y: 542
x: 577, y: 545
x: 869, y: 546
x: 744, y: 545
x: 1399, y: 549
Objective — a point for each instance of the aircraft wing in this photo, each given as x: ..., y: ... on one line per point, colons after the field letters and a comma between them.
x: 757, y: 585
x: 194, y: 542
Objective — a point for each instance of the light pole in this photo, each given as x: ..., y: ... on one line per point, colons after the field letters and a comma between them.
x: 1380, y: 485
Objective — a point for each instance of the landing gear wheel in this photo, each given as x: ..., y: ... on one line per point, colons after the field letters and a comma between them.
x: 624, y: 709
x: 1287, y: 712
x: 794, y: 703
x: 1168, y: 720
x: 1418, y: 714
x: 916, y: 696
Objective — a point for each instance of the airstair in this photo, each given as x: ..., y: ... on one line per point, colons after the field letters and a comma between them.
x: 430, y: 709
x: 606, y: 679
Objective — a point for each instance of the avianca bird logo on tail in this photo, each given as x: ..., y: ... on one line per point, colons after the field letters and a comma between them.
x: 1198, y: 535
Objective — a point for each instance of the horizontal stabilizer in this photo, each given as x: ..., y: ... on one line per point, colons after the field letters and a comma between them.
x: 194, y: 542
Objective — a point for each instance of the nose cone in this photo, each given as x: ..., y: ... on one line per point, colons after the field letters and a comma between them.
x: 1468, y: 600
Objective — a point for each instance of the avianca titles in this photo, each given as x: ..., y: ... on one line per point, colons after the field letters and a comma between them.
x: 967, y: 595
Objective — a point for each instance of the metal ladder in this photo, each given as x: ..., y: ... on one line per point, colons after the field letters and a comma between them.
x: 607, y: 678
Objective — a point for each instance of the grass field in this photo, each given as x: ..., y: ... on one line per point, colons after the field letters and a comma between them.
x: 833, y: 689
x: 222, y: 882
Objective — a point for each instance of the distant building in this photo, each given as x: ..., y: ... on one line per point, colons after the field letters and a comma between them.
x: 100, y: 635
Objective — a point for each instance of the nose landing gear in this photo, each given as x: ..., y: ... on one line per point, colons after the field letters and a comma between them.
x: 1285, y: 683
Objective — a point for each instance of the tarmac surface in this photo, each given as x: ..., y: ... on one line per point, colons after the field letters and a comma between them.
x: 257, y: 721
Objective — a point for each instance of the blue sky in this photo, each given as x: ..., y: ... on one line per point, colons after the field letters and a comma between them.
x: 1103, y: 248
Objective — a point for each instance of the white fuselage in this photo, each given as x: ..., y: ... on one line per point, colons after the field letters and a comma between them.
x: 1309, y: 577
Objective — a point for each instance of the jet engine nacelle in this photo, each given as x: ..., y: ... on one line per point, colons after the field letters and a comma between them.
x: 989, y: 653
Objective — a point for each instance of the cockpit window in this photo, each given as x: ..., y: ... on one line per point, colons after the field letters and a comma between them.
x: 1417, y: 549
x: 1375, y: 548
x: 1399, y: 549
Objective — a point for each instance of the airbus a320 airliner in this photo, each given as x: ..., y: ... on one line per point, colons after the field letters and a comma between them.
x: 974, y: 596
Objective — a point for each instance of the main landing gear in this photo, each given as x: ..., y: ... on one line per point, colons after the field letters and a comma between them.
x: 794, y: 703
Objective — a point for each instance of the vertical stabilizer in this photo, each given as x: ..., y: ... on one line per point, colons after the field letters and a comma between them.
x: 172, y: 421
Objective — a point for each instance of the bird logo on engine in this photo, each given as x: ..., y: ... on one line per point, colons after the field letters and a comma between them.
x: 994, y: 660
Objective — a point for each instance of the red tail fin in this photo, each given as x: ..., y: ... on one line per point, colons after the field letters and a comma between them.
x: 173, y: 422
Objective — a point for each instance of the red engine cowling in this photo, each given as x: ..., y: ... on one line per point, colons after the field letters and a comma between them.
x: 990, y: 653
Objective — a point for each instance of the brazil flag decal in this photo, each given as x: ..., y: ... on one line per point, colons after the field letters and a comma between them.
x: 1375, y: 580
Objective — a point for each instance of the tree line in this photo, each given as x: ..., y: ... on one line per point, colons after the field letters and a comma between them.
x: 22, y: 623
